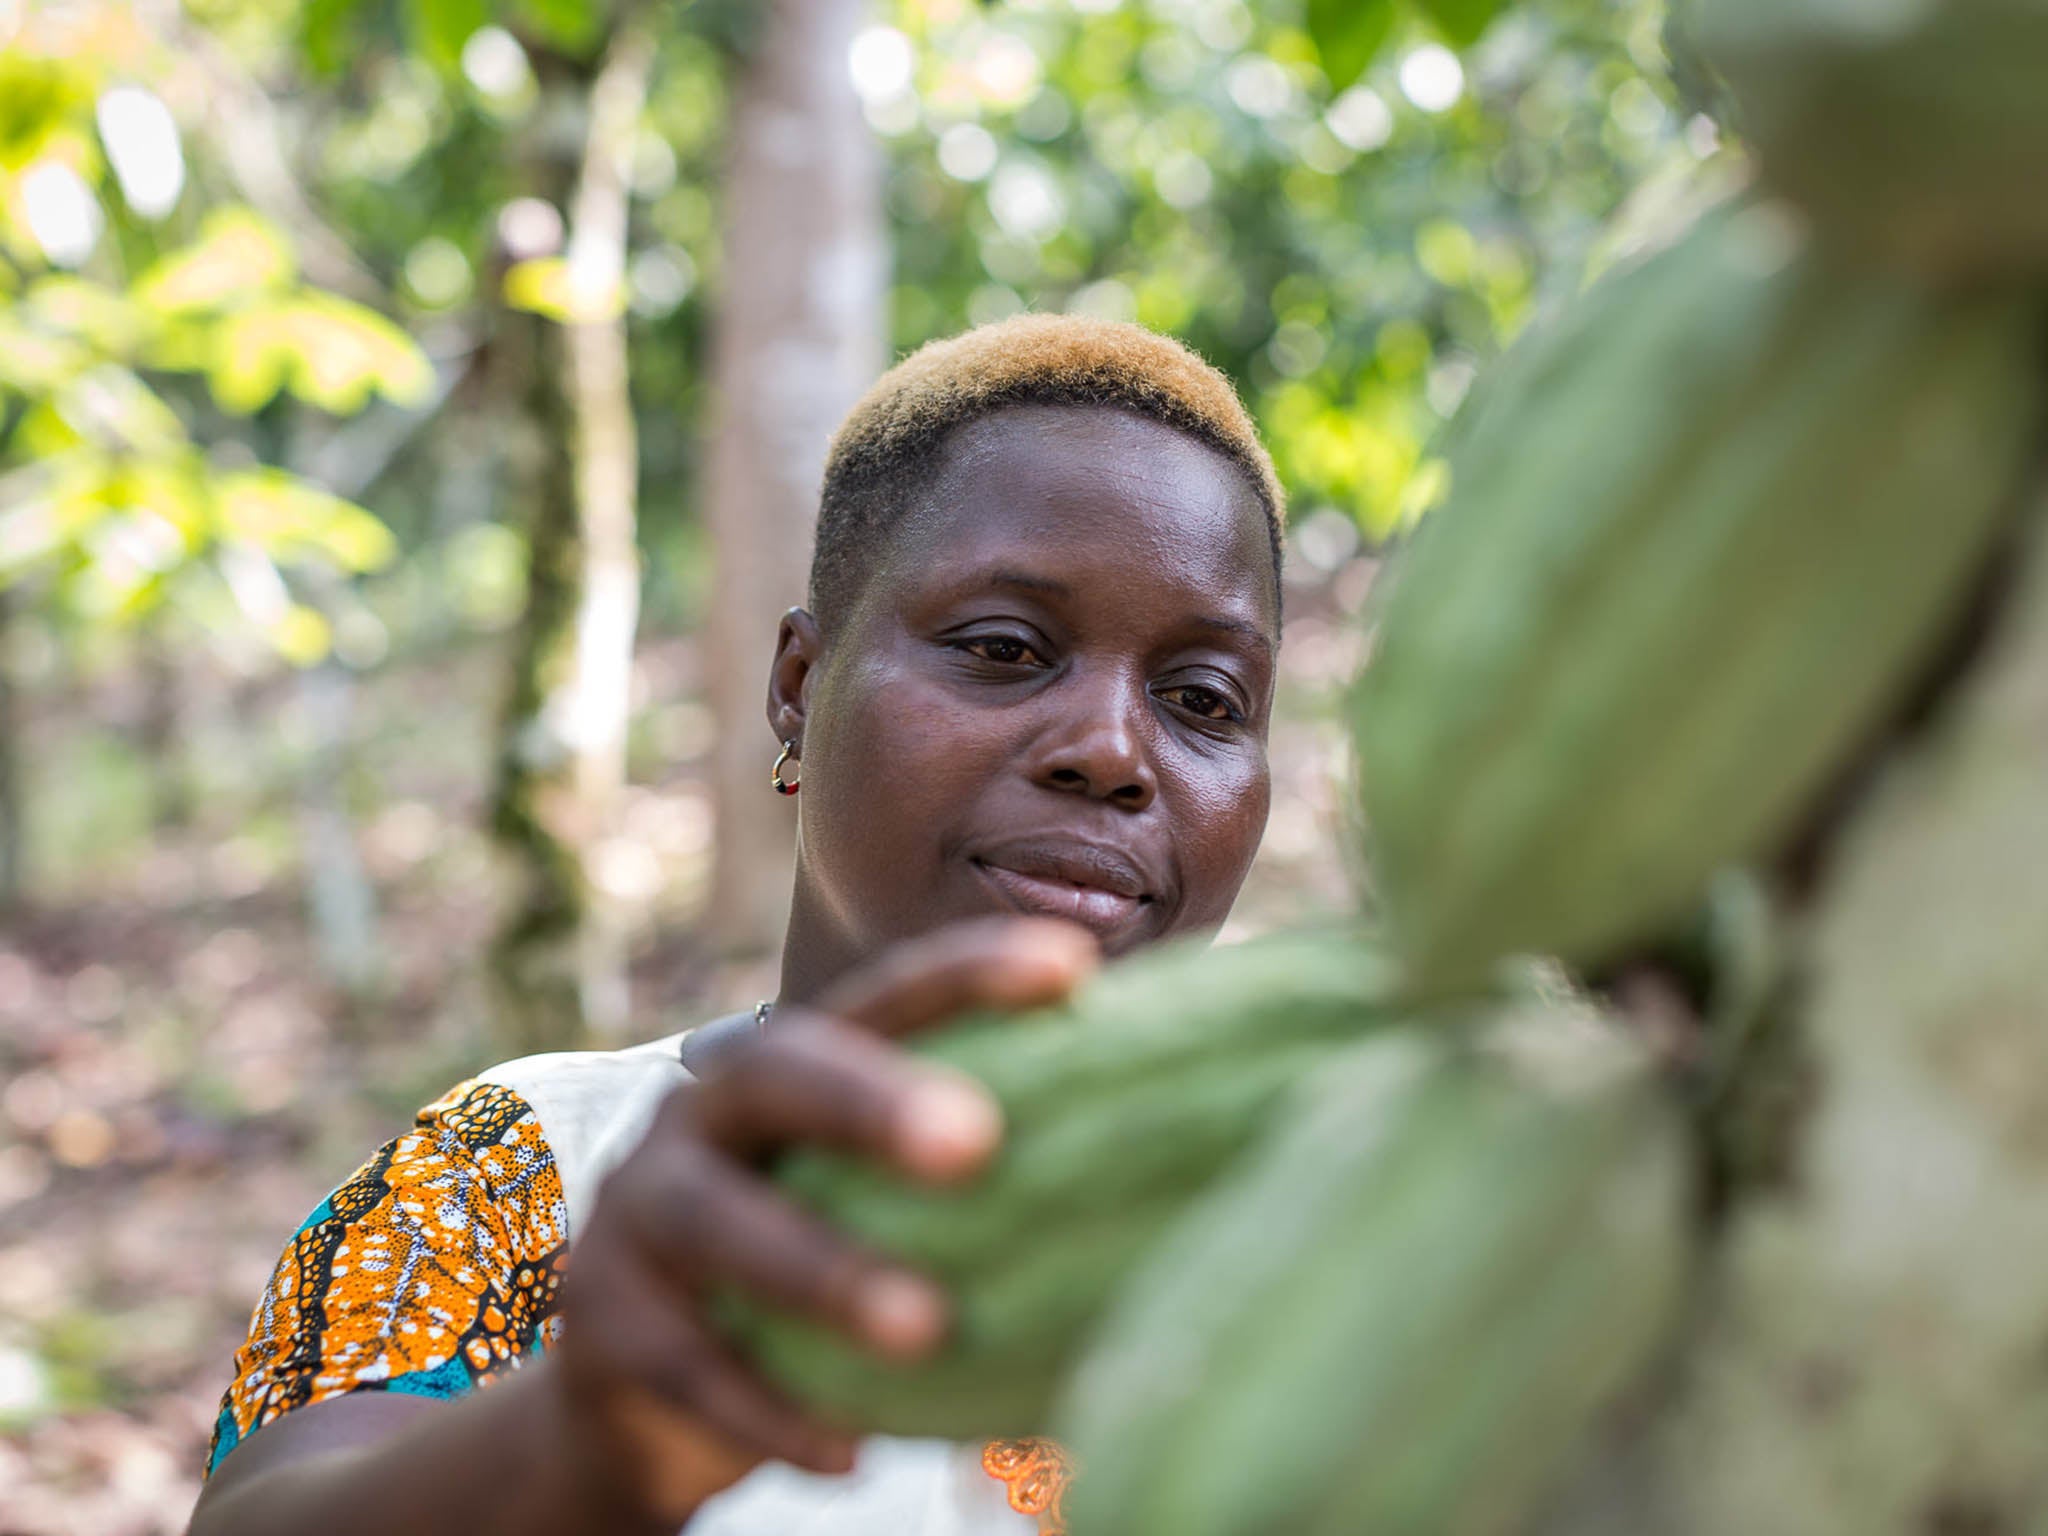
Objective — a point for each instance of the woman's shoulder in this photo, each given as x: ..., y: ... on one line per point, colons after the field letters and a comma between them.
x: 565, y: 1076
x: 592, y: 1107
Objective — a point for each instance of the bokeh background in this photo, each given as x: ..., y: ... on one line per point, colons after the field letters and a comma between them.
x: 410, y: 412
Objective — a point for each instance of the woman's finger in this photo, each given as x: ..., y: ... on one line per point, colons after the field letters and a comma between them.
x: 714, y: 1225
x: 817, y: 1080
x: 677, y: 1361
x: 1010, y: 962
x: 719, y: 1388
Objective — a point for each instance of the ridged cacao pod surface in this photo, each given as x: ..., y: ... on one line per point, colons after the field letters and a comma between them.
x: 1119, y: 1108
x: 1403, y: 1313
x: 1700, y: 536
x: 1913, y: 131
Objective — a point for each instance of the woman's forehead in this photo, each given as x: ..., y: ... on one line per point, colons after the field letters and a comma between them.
x: 1103, y: 493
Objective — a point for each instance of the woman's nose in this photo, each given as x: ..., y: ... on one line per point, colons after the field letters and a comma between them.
x: 1097, y: 746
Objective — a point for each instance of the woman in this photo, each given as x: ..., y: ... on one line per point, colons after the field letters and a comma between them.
x: 1032, y: 687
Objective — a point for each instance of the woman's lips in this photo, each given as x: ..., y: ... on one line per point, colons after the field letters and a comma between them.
x: 1104, y: 912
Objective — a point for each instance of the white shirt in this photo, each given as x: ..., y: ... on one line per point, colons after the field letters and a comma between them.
x: 593, y: 1108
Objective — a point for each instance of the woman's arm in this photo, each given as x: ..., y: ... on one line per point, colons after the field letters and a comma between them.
x: 498, y: 1460
x: 640, y: 1412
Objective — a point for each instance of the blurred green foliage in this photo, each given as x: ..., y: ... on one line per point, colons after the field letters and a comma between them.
x: 108, y: 494
x: 1348, y: 207
x: 1351, y: 257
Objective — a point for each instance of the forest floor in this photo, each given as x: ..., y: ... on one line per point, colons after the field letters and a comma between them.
x: 179, y: 1086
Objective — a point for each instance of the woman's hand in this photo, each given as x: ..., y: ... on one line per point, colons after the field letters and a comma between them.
x: 652, y: 1396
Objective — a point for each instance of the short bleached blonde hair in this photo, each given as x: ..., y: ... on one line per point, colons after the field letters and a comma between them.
x: 890, y: 445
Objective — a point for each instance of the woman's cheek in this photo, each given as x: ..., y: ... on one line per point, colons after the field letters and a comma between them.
x: 1221, y: 834
x: 898, y: 757
x: 927, y: 729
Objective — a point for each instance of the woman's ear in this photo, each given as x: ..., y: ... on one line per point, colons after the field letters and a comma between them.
x: 799, y: 648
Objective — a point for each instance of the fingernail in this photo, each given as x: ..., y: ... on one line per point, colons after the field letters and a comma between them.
x: 901, y: 1313
x: 947, y: 1123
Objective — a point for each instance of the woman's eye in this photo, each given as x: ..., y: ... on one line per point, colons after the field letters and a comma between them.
x: 1205, y: 702
x: 1001, y: 649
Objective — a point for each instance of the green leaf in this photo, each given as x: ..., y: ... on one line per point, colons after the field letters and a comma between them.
x: 45, y: 433
x: 238, y: 255
x: 93, y: 312
x: 34, y: 363
x: 249, y: 357
x: 40, y: 97
x: 175, y: 491
x: 183, y: 344
x: 143, y: 598
x: 325, y: 350
x: 292, y: 519
x: 302, y: 635
x: 110, y: 528
x: 342, y: 353
x: 111, y: 406
x: 1348, y: 35
x: 573, y: 26
x: 439, y: 28
x: 143, y: 534
x: 32, y: 531
x: 330, y: 35
x: 1461, y: 21
x: 546, y: 286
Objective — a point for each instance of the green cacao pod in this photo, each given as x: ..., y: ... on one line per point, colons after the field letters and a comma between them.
x: 1119, y: 1108
x: 1403, y: 1312
x: 1699, y: 537
x: 1913, y: 131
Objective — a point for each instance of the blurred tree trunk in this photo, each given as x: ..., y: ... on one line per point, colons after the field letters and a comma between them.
x: 799, y: 335
x: 341, y: 900
x: 13, y: 866
x: 560, y: 959
x: 160, y: 729
x: 532, y: 954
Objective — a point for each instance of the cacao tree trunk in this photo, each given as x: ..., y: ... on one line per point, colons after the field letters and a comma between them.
x: 607, y: 475
x: 799, y: 334
x: 1866, y: 1345
x: 561, y: 955
x: 533, y: 953
x: 1876, y: 1313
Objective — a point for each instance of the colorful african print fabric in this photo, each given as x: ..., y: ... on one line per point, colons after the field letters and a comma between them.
x: 432, y: 1270
x: 1035, y: 1472
x: 435, y: 1268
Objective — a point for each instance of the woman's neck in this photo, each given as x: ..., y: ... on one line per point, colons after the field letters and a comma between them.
x: 816, y: 950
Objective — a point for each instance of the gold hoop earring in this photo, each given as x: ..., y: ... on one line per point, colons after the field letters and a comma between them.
x: 775, y: 774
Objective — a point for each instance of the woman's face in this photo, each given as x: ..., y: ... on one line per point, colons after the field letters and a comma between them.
x: 1052, y: 697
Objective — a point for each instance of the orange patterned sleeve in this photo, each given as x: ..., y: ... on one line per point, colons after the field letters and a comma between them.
x: 1035, y: 1473
x: 435, y: 1267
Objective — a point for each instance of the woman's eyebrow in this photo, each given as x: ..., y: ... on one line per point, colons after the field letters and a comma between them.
x: 1233, y: 626
x: 1027, y: 582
